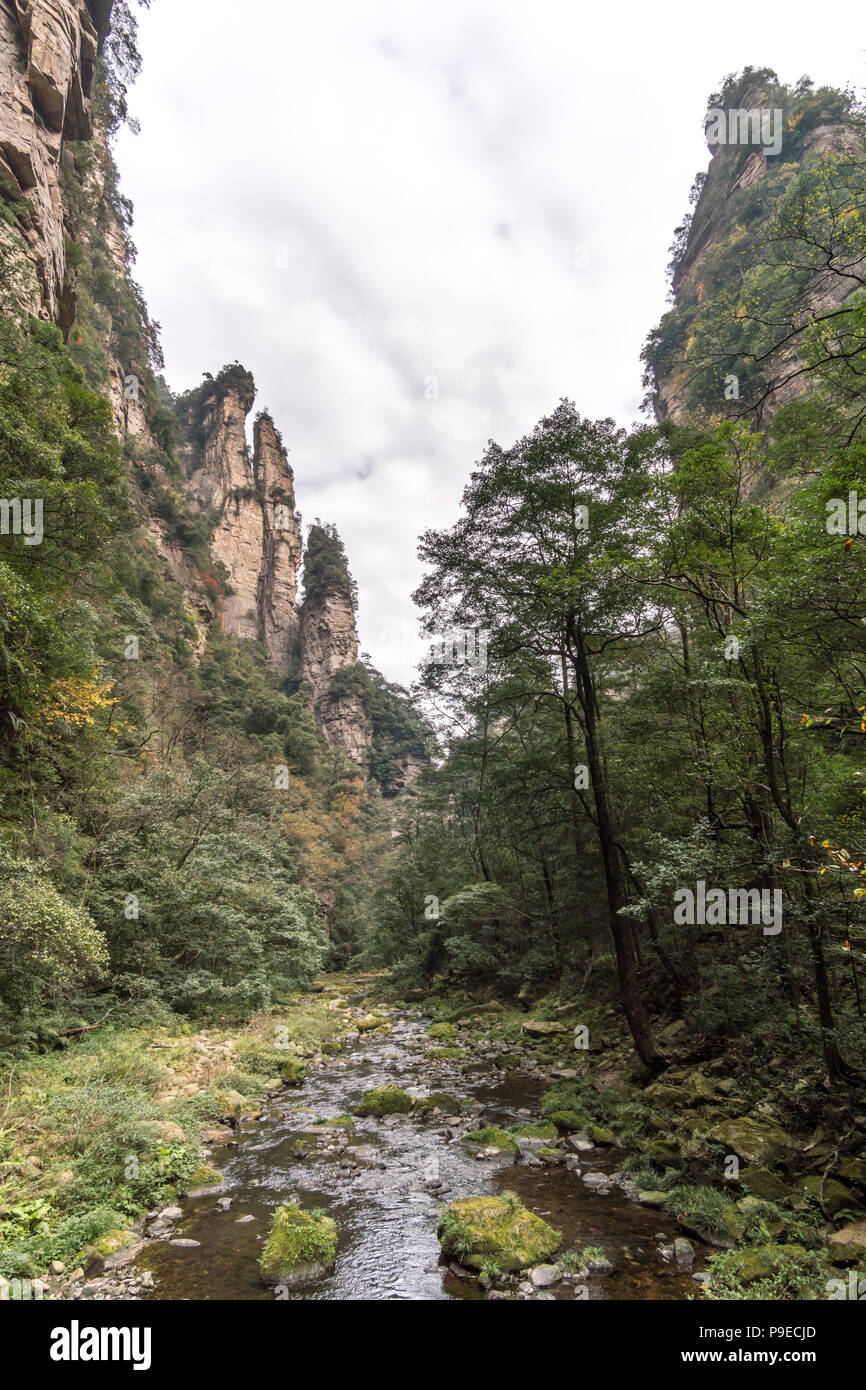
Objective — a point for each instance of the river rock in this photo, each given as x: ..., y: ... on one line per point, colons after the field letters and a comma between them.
x: 848, y: 1246
x: 684, y: 1252
x: 544, y: 1276
x: 498, y: 1229
x: 301, y: 1248
x: 385, y: 1100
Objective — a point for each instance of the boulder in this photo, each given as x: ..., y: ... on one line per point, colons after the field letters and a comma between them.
x: 539, y: 1028
x: 833, y: 1195
x: 499, y: 1230
x: 293, y: 1071
x: 848, y: 1246
x: 385, y: 1100
x: 491, y: 1138
x: 764, y: 1184
x: 755, y: 1141
x: 301, y: 1248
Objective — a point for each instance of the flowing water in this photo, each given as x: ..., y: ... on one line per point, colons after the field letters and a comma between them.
x: 377, y: 1182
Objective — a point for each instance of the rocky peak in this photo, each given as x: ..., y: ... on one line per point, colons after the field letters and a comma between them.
x: 281, y: 545
x: 329, y: 644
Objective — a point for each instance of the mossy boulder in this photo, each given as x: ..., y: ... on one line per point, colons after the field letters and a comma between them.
x: 764, y: 1184
x: 541, y: 1028
x: 568, y: 1121
x: 368, y: 1023
x: 230, y: 1105
x: 760, y: 1261
x: 293, y: 1071
x: 848, y: 1246
x: 385, y: 1100
x: 204, y: 1181
x: 600, y: 1135
x: 853, y: 1170
x: 834, y: 1195
x: 301, y: 1248
x: 340, y: 1121
x: 446, y: 1031
x: 112, y: 1241
x: 445, y: 1054
x: 660, y: 1150
x: 507, y: 1061
x: 755, y: 1141
x: 439, y: 1100
x: 537, y: 1131
x: 491, y: 1138
x: 477, y: 1230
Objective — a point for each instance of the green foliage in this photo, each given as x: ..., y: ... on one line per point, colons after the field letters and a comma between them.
x: 47, y: 946
x: 326, y: 569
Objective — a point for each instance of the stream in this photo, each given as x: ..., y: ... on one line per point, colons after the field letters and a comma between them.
x: 384, y: 1183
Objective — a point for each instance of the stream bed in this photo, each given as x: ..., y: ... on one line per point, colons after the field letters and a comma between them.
x: 384, y: 1183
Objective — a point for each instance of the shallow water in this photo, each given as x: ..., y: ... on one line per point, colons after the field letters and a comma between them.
x: 385, y: 1217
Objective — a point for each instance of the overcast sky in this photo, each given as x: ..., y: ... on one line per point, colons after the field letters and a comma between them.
x: 366, y: 200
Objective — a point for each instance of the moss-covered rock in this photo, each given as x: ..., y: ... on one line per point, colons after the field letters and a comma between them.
x: 568, y: 1121
x: 833, y: 1195
x: 536, y: 1131
x: 293, y: 1071
x: 230, y: 1105
x: 600, y: 1135
x: 445, y: 1054
x: 369, y: 1022
x: 848, y: 1246
x: 341, y: 1121
x: 204, y: 1181
x: 507, y: 1061
x: 760, y: 1261
x: 496, y: 1230
x: 446, y: 1031
x: 755, y: 1141
x: 764, y: 1184
x: 301, y: 1247
x: 385, y: 1100
x: 439, y: 1100
x: 112, y: 1241
x: 491, y: 1138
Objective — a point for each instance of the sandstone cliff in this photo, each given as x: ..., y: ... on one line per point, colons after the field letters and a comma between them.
x: 48, y: 52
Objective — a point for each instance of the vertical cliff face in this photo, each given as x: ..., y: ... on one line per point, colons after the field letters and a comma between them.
x: 721, y: 247
x: 279, y: 625
x: 329, y: 645
x: 250, y: 500
x: 48, y: 52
